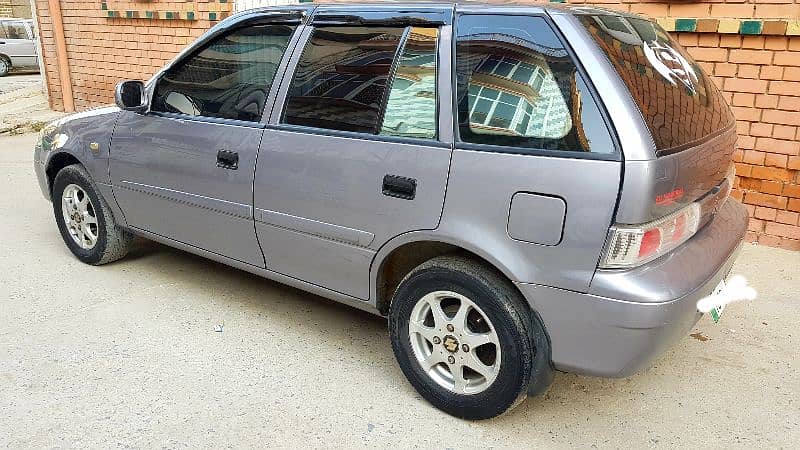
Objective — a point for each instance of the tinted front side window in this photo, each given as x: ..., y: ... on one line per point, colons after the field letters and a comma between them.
x: 680, y: 104
x: 518, y: 87
x: 229, y: 78
x: 341, y: 79
x: 13, y: 30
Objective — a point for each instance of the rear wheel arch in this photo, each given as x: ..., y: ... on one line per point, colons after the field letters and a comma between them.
x: 395, y: 260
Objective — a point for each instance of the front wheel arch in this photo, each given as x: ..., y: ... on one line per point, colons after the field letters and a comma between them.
x: 57, y: 162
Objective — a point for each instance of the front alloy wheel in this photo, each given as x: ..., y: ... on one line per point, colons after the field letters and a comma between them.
x: 79, y: 216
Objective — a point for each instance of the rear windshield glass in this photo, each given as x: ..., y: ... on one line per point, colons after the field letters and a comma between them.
x: 680, y: 104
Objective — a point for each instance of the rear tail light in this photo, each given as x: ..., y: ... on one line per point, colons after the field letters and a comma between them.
x: 632, y: 245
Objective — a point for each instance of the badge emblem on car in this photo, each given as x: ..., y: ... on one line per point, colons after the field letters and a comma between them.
x: 450, y: 344
x: 670, y: 64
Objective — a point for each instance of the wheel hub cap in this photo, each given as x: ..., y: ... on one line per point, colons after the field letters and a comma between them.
x: 450, y: 344
x: 79, y: 216
x: 454, y: 342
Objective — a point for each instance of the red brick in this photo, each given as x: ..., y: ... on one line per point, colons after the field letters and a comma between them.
x: 755, y: 225
x: 748, y: 71
x: 730, y: 40
x: 793, y: 163
x: 759, y: 199
x: 787, y: 217
x: 784, y: 132
x: 731, y: 10
x: 769, y: 241
x: 783, y: 230
x: 785, y: 58
x: 750, y: 184
x: 789, y: 103
x: 724, y: 70
x: 738, y: 155
x: 775, y: 160
x: 743, y: 99
x: 781, y: 117
x: 765, y: 214
x: 751, y: 237
x: 753, y: 157
x: 767, y: 101
x: 784, y: 87
x: 752, y: 57
x: 747, y: 113
x: 784, y: 147
x: 771, y: 187
x: 794, y: 204
x: 771, y: 73
x: 743, y: 170
x: 789, y: 244
x: 743, y: 85
x: 708, y: 54
x: 776, y: 43
x: 761, y: 129
x: 770, y: 173
x: 791, y: 190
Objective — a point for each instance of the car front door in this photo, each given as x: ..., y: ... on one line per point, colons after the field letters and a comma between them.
x: 354, y: 155
x: 184, y: 170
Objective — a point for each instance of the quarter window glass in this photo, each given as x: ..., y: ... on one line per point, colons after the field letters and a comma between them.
x: 518, y: 87
x: 341, y: 79
x: 411, y: 108
x: 230, y: 78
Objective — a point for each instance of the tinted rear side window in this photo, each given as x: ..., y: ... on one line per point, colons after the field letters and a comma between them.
x: 341, y: 79
x: 680, y: 104
x: 230, y: 78
x: 519, y: 87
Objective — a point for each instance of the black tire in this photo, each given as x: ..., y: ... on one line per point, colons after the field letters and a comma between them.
x: 513, y: 322
x: 113, y: 242
x: 5, y: 66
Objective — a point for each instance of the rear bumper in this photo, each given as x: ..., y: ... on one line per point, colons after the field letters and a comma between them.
x: 630, y: 317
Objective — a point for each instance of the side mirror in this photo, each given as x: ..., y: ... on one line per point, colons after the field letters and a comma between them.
x: 129, y: 95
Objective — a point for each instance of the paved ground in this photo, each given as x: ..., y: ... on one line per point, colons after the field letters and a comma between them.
x: 125, y: 355
x: 23, y: 105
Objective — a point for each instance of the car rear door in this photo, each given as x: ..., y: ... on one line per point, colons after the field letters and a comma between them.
x: 184, y: 170
x: 356, y: 152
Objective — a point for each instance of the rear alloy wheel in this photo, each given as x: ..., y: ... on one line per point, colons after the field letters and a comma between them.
x: 454, y: 342
x: 5, y: 67
x: 465, y: 338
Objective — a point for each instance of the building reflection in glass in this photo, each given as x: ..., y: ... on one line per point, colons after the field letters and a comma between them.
x: 680, y: 104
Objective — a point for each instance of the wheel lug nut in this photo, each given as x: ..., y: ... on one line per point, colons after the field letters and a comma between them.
x: 450, y: 327
x: 451, y: 360
x: 436, y: 340
x: 465, y: 347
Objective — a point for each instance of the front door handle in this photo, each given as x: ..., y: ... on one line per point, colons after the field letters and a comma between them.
x: 399, y: 187
x: 227, y: 160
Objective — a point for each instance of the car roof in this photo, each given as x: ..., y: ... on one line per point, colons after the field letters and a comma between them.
x: 407, y: 8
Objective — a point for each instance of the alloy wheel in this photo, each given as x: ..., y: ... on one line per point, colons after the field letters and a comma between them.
x: 79, y: 216
x: 454, y: 342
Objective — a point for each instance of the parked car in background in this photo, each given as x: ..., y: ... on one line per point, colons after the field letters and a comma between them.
x: 17, y: 46
x: 520, y: 189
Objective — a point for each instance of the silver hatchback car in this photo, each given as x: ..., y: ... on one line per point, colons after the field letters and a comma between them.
x: 520, y: 189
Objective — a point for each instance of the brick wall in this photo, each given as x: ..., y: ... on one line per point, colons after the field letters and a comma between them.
x: 115, y: 40
x: 751, y: 48
x: 5, y: 8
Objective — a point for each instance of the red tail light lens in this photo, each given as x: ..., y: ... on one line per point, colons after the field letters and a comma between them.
x: 633, y: 245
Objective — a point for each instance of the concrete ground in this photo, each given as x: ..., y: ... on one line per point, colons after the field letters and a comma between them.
x: 125, y: 355
x: 23, y: 105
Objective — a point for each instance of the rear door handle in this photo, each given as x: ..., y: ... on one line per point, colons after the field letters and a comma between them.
x: 399, y: 187
x: 227, y: 160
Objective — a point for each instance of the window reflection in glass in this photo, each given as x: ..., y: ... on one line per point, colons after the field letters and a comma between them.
x: 411, y: 107
x: 518, y: 87
x: 230, y: 78
x: 341, y: 78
